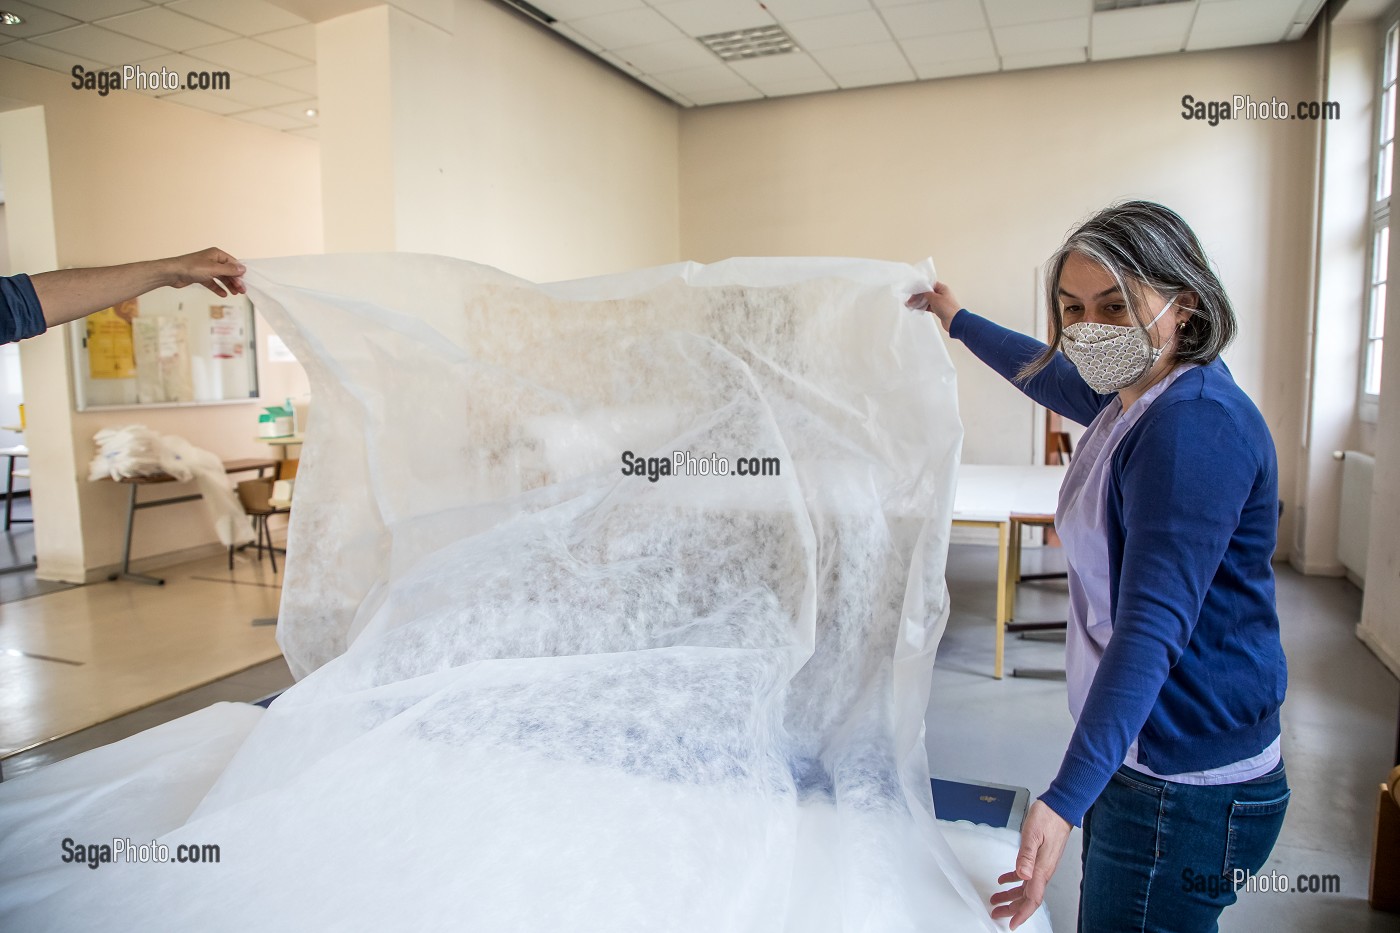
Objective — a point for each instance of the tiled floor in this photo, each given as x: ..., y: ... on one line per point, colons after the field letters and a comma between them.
x: 1339, y: 731
x: 86, y: 654
x: 17, y: 560
x: 1339, y: 725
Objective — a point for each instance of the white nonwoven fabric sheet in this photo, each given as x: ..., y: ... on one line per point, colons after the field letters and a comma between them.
x: 539, y: 693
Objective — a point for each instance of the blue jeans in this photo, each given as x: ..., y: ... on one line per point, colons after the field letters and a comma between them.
x: 1160, y: 856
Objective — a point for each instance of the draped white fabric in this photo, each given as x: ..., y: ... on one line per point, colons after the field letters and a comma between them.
x: 541, y: 693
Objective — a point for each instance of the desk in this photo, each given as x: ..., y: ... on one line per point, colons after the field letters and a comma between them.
x: 1004, y: 497
x: 136, y: 482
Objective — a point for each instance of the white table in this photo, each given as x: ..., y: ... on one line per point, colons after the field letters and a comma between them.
x: 1005, y: 498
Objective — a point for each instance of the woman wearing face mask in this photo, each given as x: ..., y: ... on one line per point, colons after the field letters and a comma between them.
x: 1168, y: 515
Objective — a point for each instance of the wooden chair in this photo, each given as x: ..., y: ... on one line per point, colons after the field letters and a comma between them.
x: 256, y: 495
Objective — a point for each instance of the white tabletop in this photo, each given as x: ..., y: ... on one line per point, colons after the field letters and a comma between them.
x: 992, y: 493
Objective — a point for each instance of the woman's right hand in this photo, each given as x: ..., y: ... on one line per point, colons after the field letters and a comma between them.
x: 941, y: 303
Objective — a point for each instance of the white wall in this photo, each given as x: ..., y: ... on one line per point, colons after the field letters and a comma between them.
x: 126, y: 177
x: 986, y: 174
x: 492, y: 140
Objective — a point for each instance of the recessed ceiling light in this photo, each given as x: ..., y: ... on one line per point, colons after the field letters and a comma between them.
x: 10, y: 19
x: 311, y: 111
x: 740, y: 44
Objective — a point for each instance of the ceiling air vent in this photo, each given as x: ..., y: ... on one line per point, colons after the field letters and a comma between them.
x: 1103, y: 6
x: 741, y: 44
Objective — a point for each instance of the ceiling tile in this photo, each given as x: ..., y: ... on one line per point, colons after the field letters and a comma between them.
x: 672, y: 55
x: 99, y: 44
x: 669, y: 93
x: 975, y: 66
x: 257, y: 92
x: 927, y: 19
x: 299, y: 40
x: 692, y: 81
x: 309, y: 132
x: 439, y: 13
x: 1246, y: 16
x: 246, y: 17
x: 954, y: 47
x: 1012, y: 12
x: 581, y: 9
x: 1199, y: 41
x: 271, y: 120
x: 36, y: 21
x: 1043, y: 59
x: 853, y: 58
x: 576, y: 37
x: 829, y: 32
x: 166, y: 28
x: 621, y: 64
x: 248, y: 56
x: 303, y: 79
x: 791, y: 11
x: 297, y: 110
x: 51, y: 59
x: 704, y: 98
x: 797, y: 86
x: 896, y: 73
x: 1104, y: 51
x: 181, y: 65
x: 1041, y: 37
x: 212, y: 101
x: 1166, y: 23
x: 705, y: 17
x: 628, y: 28
x: 771, y: 68
x: 85, y: 10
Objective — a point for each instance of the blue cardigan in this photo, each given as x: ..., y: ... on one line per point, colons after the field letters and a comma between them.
x: 1195, y: 669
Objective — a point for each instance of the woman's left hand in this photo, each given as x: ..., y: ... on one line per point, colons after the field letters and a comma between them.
x: 1043, y: 838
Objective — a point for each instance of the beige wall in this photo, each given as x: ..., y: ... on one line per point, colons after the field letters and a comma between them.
x: 986, y: 174
x: 136, y: 178
x: 505, y: 145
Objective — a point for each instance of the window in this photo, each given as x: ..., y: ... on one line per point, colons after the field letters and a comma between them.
x: 1380, y: 221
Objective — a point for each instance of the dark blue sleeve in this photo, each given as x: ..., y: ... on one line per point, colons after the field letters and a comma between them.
x: 1058, y: 386
x: 1185, y: 480
x: 20, y: 314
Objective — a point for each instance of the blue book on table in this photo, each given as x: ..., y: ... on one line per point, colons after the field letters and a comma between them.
x: 996, y: 805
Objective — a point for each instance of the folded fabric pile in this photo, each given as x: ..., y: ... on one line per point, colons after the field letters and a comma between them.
x: 136, y: 450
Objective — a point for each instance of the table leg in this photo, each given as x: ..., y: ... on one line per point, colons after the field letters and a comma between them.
x: 125, y: 573
x: 1002, y: 589
x: 1013, y: 570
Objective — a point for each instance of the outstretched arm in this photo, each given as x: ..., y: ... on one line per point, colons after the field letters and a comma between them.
x: 69, y: 294
x: 1058, y: 386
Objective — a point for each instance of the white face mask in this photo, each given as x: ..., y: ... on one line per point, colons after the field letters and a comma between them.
x: 1111, y: 356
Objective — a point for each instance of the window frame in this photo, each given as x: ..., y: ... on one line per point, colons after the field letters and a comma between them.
x: 1377, y: 266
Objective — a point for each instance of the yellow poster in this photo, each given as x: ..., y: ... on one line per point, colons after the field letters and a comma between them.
x: 111, y: 354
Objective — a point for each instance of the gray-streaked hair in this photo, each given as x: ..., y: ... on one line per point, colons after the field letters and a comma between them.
x: 1142, y: 243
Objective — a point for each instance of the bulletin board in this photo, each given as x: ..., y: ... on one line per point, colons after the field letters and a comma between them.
x: 168, y: 348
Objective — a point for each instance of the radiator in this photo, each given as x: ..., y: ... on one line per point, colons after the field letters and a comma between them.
x: 1354, y: 524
